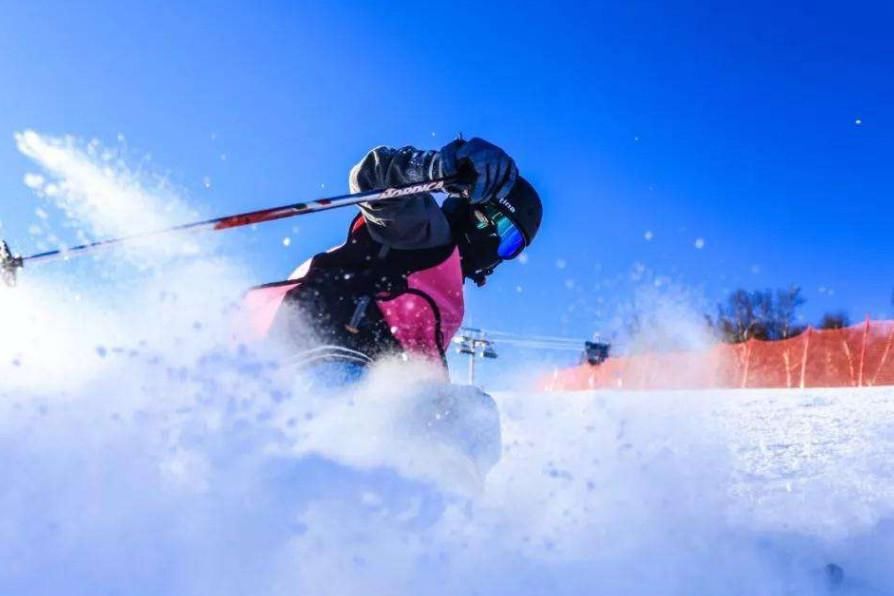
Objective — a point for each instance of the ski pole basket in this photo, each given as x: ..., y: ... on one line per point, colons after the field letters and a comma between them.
x: 9, y: 264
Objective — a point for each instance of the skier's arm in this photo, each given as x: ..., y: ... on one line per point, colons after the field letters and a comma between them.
x: 409, y: 222
x: 417, y: 221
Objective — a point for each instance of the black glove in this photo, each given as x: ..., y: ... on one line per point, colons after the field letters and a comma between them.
x: 488, y: 173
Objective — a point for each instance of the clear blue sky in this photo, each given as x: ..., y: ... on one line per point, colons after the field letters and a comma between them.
x: 735, y: 123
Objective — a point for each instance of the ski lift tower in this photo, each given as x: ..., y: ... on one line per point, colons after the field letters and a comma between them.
x: 474, y: 344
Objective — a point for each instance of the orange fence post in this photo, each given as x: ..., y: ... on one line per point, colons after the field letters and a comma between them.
x: 747, y: 363
x: 804, y: 355
x: 863, y: 353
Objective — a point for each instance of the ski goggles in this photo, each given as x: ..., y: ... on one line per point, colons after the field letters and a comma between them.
x: 512, y: 241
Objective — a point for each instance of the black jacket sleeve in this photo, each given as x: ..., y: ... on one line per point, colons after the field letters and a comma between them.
x: 411, y: 222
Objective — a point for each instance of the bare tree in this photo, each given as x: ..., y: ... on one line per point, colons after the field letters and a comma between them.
x: 759, y: 314
x: 785, y: 313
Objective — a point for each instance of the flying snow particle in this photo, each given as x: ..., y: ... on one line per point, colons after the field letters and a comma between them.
x: 648, y: 235
x: 858, y: 121
x: 523, y: 259
x: 561, y: 263
x: 33, y: 181
x: 286, y: 241
x: 699, y: 243
x: 206, y: 182
x: 40, y: 213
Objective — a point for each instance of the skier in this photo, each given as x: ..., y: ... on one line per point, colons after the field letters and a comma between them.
x: 395, y: 285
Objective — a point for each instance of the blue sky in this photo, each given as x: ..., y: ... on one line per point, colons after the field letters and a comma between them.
x: 733, y: 127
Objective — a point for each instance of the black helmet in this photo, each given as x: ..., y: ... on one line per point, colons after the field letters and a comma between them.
x: 522, y: 205
x: 479, y: 246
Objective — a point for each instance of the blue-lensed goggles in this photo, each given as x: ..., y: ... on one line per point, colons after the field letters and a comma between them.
x: 512, y: 241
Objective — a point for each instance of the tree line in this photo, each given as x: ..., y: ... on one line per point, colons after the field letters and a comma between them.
x: 766, y: 315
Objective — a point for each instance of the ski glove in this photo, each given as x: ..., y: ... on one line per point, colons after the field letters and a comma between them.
x: 488, y: 172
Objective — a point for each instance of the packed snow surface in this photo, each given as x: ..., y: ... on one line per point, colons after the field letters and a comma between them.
x: 145, y: 450
x: 154, y: 478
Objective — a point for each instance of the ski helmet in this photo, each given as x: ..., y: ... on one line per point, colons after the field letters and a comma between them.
x: 491, y: 232
x: 523, y: 207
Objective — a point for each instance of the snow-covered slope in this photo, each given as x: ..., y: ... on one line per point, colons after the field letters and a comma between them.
x: 719, y: 492
x: 166, y: 480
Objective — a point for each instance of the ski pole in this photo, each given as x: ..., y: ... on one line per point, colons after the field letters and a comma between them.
x: 10, y: 264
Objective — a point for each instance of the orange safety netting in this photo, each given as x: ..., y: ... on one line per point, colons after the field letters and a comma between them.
x: 857, y: 356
